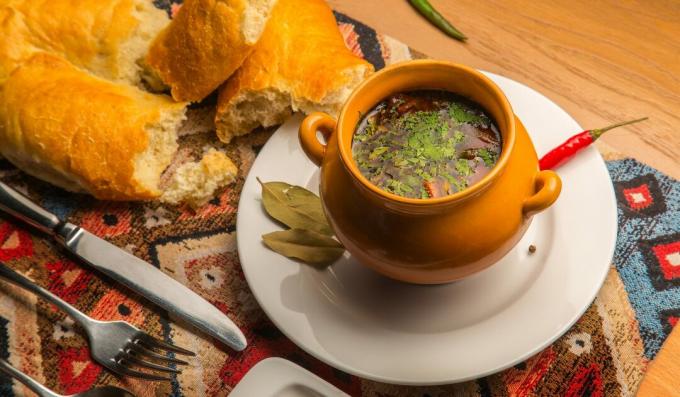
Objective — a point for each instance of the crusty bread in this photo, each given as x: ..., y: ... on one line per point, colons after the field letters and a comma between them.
x: 108, y: 38
x: 300, y: 63
x: 195, y: 183
x: 85, y: 134
x: 205, y: 43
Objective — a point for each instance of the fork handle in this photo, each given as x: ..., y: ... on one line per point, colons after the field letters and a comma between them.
x: 31, y: 383
x: 16, y: 278
x: 19, y: 206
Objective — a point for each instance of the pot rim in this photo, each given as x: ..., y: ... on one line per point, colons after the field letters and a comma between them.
x: 413, y: 67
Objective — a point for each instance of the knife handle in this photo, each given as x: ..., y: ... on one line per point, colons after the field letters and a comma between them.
x: 19, y: 206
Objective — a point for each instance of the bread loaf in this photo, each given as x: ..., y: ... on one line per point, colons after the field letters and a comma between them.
x: 300, y: 63
x: 85, y: 134
x: 108, y: 38
x: 205, y: 43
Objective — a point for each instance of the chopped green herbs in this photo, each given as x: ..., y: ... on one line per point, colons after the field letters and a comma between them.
x: 464, y: 114
x: 377, y: 152
x: 463, y: 167
x: 487, y: 156
x: 412, y: 144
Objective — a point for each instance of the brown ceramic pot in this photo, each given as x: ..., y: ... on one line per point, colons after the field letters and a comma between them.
x: 435, y: 240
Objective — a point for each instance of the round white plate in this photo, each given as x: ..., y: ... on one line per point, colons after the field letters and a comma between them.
x: 376, y: 328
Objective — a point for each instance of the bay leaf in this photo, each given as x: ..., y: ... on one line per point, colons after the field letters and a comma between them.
x: 294, y: 206
x: 303, y: 199
x: 306, y: 245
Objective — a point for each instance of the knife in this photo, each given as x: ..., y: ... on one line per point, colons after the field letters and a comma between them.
x: 136, y: 274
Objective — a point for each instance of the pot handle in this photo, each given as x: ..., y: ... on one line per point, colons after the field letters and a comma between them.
x: 548, y: 186
x: 316, y: 121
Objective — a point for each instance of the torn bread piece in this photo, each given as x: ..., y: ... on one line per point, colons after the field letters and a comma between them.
x: 205, y: 43
x: 108, y: 38
x: 85, y: 134
x: 195, y: 183
x: 303, y: 65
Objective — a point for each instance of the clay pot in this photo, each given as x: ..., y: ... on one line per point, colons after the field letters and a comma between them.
x: 438, y: 240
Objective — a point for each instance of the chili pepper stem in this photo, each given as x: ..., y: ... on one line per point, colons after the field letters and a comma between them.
x: 596, y: 133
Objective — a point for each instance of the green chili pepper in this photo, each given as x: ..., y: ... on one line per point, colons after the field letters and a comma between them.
x: 437, y: 19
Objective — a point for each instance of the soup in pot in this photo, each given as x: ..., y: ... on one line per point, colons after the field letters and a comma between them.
x: 426, y: 144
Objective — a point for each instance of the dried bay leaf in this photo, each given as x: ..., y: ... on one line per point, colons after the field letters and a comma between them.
x: 306, y: 245
x: 309, y: 238
x: 294, y: 206
x: 303, y: 199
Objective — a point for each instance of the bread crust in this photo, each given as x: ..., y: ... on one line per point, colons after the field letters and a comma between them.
x: 77, y: 131
x: 300, y: 54
x: 90, y: 34
x: 201, y: 47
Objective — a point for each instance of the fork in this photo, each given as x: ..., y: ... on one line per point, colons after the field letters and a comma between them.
x: 42, y: 391
x: 116, y: 345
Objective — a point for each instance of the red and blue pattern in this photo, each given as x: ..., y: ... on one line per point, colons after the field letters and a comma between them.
x: 647, y: 252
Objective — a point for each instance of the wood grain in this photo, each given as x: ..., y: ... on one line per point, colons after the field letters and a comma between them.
x: 663, y: 376
x: 602, y: 61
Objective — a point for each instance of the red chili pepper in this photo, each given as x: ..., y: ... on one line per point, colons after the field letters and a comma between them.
x: 573, y: 145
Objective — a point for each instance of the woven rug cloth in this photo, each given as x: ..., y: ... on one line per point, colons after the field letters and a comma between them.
x: 605, y: 354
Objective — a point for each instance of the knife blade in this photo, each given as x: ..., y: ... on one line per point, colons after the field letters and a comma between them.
x: 138, y: 275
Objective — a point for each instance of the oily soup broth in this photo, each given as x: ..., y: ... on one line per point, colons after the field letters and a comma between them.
x: 426, y: 143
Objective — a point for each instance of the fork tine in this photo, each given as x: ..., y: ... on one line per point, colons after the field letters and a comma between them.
x: 157, y: 343
x: 143, y: 351
x: 124, y: 370
x: 132, y: 358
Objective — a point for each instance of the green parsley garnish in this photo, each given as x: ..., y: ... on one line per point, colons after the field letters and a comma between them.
x: 463, y: 167
x: 463, y: 114
x: 486, y: 156
x: 402, y: 144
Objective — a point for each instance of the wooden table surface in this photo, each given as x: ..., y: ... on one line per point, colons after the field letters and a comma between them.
x: 603, y: 62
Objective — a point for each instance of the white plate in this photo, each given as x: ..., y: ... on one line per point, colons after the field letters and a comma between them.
x: 276, y: 377
x: 370, y: 326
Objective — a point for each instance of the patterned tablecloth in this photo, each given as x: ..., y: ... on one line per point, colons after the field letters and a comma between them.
x: 605, y: 354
